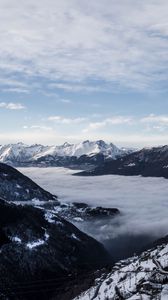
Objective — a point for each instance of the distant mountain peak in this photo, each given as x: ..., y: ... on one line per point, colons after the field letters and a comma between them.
x: 21, y: 153
x: 86, y: 142
x: 66, y: 144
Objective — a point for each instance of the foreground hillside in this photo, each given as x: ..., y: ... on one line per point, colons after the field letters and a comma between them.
x: 146, y: 162
x: 140, y: 277
x: 14, y: 186
x: 37, y: 247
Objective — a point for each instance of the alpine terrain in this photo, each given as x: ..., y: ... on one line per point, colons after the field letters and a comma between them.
x: 143, y: 277
x: 151, y: 162
x: 84, y: 154
x: 41, y: 252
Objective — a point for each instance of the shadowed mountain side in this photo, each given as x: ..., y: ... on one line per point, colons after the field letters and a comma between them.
x: 147, y: 162
x: 34, y: 247
x: 14, y: 186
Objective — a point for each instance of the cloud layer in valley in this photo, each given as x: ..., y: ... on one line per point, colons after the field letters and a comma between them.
x: 142, y: 201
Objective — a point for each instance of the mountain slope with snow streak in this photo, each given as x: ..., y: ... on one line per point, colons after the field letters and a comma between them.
x: 140, y: 277
x: 37, y: 247
x: 14, y: 186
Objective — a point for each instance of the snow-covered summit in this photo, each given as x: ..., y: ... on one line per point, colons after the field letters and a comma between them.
x: 24, y: 153
x: 84, y: 148
x: 18, y: 152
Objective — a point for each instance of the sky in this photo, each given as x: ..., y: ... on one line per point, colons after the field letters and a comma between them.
x: 79, y: 69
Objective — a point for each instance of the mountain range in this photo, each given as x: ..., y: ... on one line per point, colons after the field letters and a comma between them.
x: 87, y: 152
x: 151, y: 162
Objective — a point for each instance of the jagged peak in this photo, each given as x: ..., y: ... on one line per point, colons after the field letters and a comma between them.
x: 22, y: 152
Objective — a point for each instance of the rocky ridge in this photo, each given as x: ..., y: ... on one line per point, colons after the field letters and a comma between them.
x: 151, y: 162
x: 139, y: 277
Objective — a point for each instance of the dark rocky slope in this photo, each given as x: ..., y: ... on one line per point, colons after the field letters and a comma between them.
x: 35, y: 248
x: 82, y: 162
x: 14, y: 186
x: 147, y: 162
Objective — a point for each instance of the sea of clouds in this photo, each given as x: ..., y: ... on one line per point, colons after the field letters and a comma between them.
x: 143, y: 202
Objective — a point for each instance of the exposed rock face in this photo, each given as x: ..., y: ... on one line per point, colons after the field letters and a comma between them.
x: 14, y: 186
x: 147, y: 162
x: 35, y: 245
x: 140, y: 277
x: 82, y: 162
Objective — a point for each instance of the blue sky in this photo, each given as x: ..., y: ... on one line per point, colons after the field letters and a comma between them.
x: 77, y: 70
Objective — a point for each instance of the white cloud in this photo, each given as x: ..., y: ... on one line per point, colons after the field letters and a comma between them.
x: 12, y: 106
x: 13, y: 85
x: 38, y: 127
x: 16, y: 90
x: 63, y: 120
x: 118, y: 42
x: 155, y: 122
x: 118, y: 120
x: 160, y: 119
x: 67, y: 101
x: 71, y: 87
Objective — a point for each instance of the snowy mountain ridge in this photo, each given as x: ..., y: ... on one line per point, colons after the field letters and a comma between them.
x: 147, y: 162
x: 140, y: 277
x: 20, y: 152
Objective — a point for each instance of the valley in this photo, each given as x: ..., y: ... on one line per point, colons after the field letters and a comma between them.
x: 140, y: 201
x: 96, y: 224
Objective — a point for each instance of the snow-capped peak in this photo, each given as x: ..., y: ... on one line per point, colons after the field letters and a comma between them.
x: 84, y: 148
x: 24, y: 153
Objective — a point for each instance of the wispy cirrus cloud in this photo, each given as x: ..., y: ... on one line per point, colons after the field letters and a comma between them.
x: 152, y: 118
x: 76, y: 87
x: 66, y: 101
x: 12, y: 106
x: 15, y: 90
x: 116, y: 120
x: 13, y: 85
x: 38, y: 127
x: 64, y: 120
x: 155, y: 122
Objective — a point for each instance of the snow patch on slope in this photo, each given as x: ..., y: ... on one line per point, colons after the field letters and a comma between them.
x: 139, y: 277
